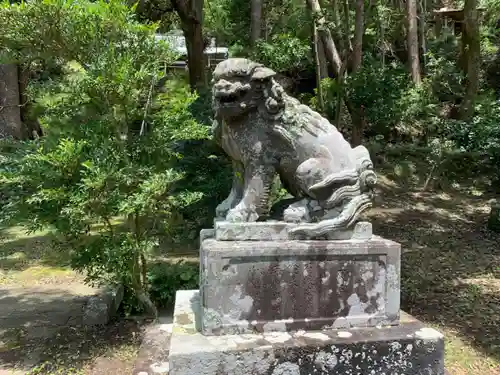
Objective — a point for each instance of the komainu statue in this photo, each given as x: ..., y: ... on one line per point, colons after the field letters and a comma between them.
x: 267, y: 132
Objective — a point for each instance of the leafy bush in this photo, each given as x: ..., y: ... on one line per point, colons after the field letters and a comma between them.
x: 482, y: 134
x: 165, y: 279
x: 284, y: 53
x: 111, y: 146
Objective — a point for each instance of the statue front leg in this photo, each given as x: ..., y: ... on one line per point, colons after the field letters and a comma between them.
x: 236, y: 193
x: 258, y: 181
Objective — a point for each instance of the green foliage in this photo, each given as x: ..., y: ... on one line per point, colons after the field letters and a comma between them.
x: 228, y: 20
x: 482, y: 134
x: 111, y: 148
x: 284, y: 53
x: 443, y: 74
x: 285, y: 43
x: 392, y: 106
x: 165, y: 279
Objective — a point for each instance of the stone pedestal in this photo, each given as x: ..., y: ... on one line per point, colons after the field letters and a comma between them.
x: 261, y: 286
x: 494, y: 218
x: 409, y: 348
x: 271, y: 305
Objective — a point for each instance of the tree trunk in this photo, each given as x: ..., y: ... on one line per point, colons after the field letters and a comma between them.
x: 473, y: 53
x: 191, y: 15
x: 325, y: 35
x: 423, y: 32
x: 323, y: 63
x: 412, y: 40
x: 347, y: 32
x: 337, y: 23
x: 255, y: 21
x: 317, y: 60
x: 332, y: 56
x: 10, y: 110
x: 31, y: 124
x: 359, y: 30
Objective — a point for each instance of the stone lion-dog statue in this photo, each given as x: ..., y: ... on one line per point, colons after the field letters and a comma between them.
x: 267, y: 132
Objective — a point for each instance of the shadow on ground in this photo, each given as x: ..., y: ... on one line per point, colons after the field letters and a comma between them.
x: 43, y: 337
x: 41, y: 310
x: 450, y: 262
x: 19, y: 251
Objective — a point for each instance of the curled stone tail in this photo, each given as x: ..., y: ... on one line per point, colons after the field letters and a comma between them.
x: 342, y: 193
x: 336, y: 178
x: 348, y: 216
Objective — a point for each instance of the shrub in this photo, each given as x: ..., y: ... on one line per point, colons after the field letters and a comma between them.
x: 111, y: 147
x: 165, y: 279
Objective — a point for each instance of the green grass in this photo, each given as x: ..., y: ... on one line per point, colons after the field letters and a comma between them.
x: 27, y: 258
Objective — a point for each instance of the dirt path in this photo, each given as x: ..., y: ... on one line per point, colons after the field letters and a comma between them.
x: 450, y: 269
x: 41, y: 309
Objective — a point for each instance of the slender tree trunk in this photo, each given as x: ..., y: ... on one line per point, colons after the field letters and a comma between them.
x: 347, y: 30
x: 255, y: 21
x: 191, y: 15
x: 359, y: 30
x: 332, y: 54
x: 473, y: 54
x: 423, y: 32
x: 337, y: 23
x: 325, y: 36
x: 412, y: 40
x: 10, y: 111
x: 318, y: 67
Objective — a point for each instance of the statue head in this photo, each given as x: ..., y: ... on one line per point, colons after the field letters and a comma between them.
x: 241, y: 86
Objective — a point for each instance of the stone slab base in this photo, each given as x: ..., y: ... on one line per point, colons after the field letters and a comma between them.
x: 262, y: 286
x: 410, y: 349
x: 280, y: 231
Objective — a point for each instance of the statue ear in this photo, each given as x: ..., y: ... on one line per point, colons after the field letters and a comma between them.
x: 261, y: 73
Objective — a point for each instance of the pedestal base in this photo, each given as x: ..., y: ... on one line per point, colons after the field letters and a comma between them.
x: 410, y: 348
x: 263, y: 286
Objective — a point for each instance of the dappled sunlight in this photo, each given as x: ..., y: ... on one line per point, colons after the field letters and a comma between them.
x: 450, y: 267
x: 24, y: 251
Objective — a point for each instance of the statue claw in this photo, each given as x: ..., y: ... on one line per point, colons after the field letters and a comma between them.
x: 221, y: 210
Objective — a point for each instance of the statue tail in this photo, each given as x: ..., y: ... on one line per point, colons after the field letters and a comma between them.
x: 353, y: 194
x: 349, y: 216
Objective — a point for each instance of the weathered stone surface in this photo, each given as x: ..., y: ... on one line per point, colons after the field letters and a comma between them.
x: 281, y: 231
x: 103, y: 305
x: 494, y: 218
x: 410, y: 349
x: 206, y: 233
x: 260, y: 286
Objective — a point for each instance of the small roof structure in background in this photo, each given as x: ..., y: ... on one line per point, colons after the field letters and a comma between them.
x: 176, y: 40
x: 456, y: 15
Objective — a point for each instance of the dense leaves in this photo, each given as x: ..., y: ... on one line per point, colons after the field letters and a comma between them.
x: 111, y: 150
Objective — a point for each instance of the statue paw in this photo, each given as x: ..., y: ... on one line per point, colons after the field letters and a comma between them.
x: 242, y: 214
x: 297, y: 212
x: 222, y: 209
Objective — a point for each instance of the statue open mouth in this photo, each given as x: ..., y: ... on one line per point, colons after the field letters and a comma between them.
x: 231, y: 98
